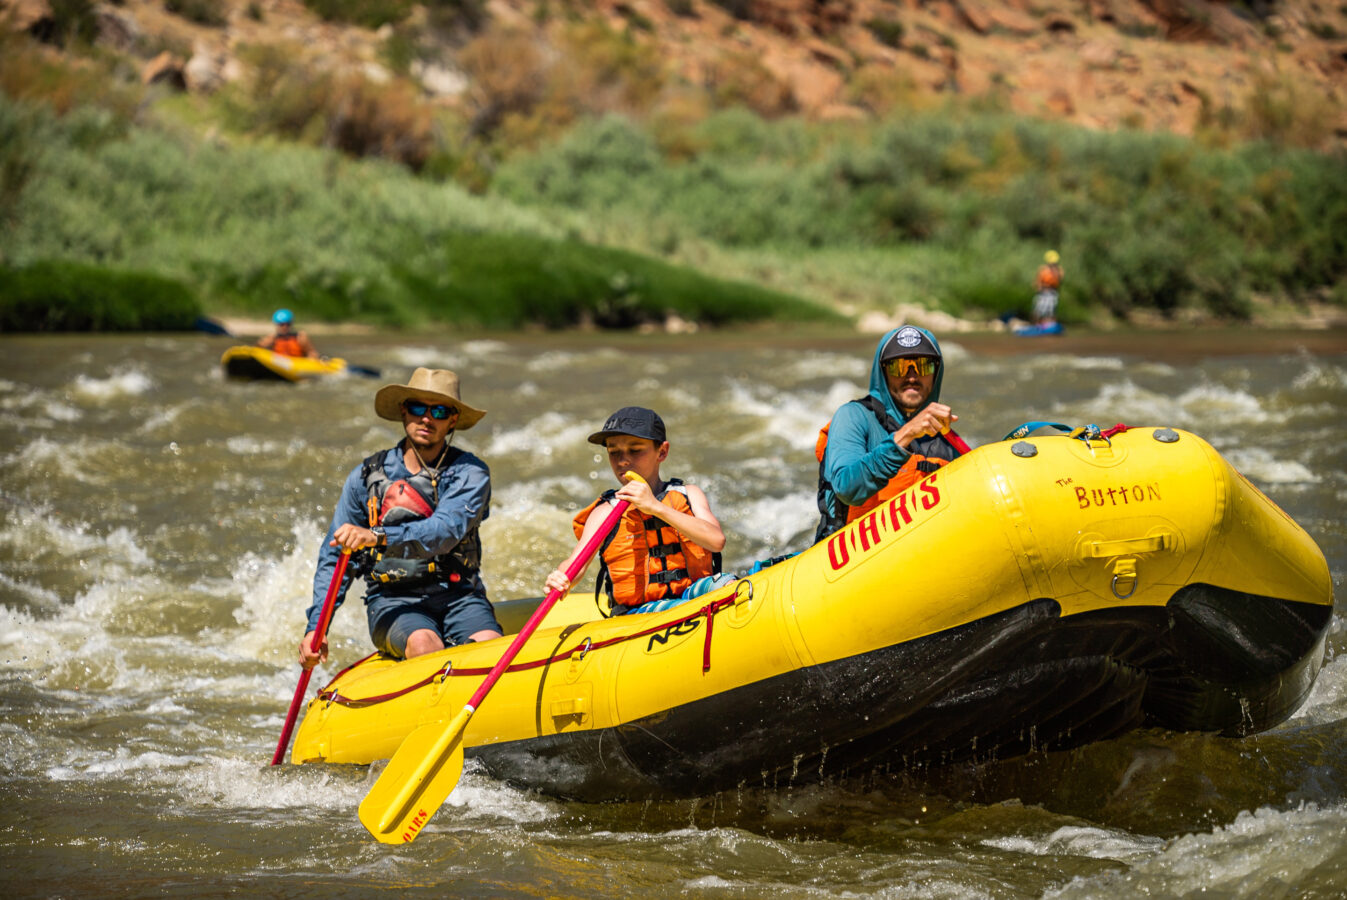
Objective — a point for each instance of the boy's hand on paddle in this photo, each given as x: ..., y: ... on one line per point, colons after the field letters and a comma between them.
x: 639, y: 495
x: 557, y: 581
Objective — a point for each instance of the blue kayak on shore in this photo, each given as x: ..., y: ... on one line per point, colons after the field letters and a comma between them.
x: 1039, y: 330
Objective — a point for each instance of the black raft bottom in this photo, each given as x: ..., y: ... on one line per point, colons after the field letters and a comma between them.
x: 1211, y: 660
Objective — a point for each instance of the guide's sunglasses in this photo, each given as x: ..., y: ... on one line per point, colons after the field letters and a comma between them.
x: 922, y: 365
x: 438, y: 411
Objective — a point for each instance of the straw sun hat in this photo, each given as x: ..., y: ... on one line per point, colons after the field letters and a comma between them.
x: 429, y: 386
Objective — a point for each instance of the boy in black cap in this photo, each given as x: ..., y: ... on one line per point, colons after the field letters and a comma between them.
x: 668, y: 545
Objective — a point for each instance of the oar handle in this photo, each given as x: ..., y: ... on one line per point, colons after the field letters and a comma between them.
x: 959, y: 443
x: 319, y: 635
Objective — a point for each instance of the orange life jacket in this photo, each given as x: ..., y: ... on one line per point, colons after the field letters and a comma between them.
x: 287, y: 345
x: 927, y: 455
x: 646, y: 558
x: 1049, y: 277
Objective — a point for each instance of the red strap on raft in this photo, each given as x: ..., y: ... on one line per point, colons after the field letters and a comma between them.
x: 1116, y: 429
x: 709, y: 611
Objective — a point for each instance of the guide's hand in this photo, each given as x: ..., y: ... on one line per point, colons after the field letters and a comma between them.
x: 937, y: 418
x: 307, y: 658
x: 352, y: 537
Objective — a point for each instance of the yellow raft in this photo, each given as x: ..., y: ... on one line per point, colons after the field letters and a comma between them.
x: 258, y: 363
x: 1031, y: 595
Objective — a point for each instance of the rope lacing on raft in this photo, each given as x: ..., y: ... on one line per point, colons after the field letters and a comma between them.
x: 584, y: 647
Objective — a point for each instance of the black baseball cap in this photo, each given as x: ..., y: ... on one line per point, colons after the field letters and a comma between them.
x: 908, y: 341
x: 636, y: 421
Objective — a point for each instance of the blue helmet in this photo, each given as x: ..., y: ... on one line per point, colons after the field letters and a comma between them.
x: 283, y: 317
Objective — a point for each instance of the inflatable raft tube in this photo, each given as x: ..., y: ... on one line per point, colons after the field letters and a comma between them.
x: 257, y: 363
x: 1034, y: 595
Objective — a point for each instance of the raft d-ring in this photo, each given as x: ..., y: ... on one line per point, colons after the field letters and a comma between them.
x: 584, y: 648
x: 738, y: 591
x: 443, y: 673
x: 1129, y: 593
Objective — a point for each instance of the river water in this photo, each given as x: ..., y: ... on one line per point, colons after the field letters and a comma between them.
x: 156, y: 554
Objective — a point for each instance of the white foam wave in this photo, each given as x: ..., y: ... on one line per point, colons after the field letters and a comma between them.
x: 1259, y: 465
x: 1320, y: 375
x: 485, y: 796
x: 776, y: 522
x: 243, y: 784
x: 805, y: 366
x: 1075, y: 840
x: 1202, y: 408
x: 37, y: 593
x: 794, y: 419
x: 1258, y: 854
x: 248, y: 445
x: 548, y: 433
x: 549, y: 363
x: 1327, y: 702
x: 273, y: 592
x: 125, y: 383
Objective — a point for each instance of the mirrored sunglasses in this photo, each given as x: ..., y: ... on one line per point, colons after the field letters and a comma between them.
x: 922, y: 365
x: 438, y: 411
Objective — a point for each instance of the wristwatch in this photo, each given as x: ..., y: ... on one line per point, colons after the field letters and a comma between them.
x: 380, y: 536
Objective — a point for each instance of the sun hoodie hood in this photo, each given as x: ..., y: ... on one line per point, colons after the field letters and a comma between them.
x: 905, y: 337
x: 860, y: 456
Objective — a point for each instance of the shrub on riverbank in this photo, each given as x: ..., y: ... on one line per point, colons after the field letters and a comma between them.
x: 724, y: 219
x: 257, y: 227
x: 1142, y: 220
x: 70, y: 296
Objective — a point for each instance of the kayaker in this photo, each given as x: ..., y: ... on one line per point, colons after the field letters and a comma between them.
x: 413, y: 511
x: 667, y: 548
x: 876, y: 447
x: 1047, y: 283
x: 285, y: 339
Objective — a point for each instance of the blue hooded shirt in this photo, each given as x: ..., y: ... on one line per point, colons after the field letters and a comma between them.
x: 861, y: 456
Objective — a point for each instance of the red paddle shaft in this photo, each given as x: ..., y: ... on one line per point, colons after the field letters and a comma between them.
x: 958, y: 442
x: 548, y: 602
x: 319, y: 635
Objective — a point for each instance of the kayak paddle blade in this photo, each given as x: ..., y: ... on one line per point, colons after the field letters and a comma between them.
x: 416, y: 781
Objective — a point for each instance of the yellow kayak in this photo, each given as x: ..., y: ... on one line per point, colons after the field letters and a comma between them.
x: 251, y: 362
x: 1031, y: 595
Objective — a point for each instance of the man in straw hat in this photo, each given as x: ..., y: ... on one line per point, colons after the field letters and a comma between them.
x: 413, y: 511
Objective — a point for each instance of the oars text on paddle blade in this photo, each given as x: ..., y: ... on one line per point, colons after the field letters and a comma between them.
x: 418, y: 778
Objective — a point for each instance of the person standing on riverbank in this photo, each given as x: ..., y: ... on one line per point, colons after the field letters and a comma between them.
x: 876, y: 447
x: 413, y: 511
x: 1047, y: 283
x: 285, y: 340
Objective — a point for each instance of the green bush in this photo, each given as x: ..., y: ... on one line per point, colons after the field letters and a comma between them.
x: 203, y: 12
x: 504, y: 280
x: 369, y: 13
x: 69, y: 296
x: 1142, y: 220
x: 254, y: 228
x: 743, y: 219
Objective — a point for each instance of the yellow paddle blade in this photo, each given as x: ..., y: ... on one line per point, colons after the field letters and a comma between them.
x: 418, y: 778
